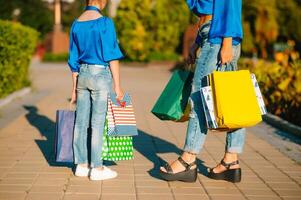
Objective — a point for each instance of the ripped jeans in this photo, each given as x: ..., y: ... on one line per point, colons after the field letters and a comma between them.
x: 205, y: 64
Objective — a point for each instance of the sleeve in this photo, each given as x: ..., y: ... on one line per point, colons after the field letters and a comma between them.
x: 109, y: 42
x: 227, y: 19
x: 200, y: 7
x: 73, y: 53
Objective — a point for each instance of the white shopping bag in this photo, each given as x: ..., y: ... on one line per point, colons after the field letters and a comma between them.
x: 258, y: 95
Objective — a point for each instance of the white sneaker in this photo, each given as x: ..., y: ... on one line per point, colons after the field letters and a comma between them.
x: 82, y: 171
x: 106, y: 173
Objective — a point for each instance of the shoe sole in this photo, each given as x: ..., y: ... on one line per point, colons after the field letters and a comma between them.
x: 231, y: 175
x: 101, y: 179
x: 186, y: 176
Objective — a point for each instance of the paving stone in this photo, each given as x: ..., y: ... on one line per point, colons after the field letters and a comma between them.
x: 155, y: 196
x: 153, y: 190
x: 14, y: 188
x: 118, y: 190
x: 117, y: 197
x: 80, y: 189
x: 81, y: 197
x: 46, y: 189
x: 191, y: 197
x: 17, y: 181
x: 12, y: 196
x: 44, y: 196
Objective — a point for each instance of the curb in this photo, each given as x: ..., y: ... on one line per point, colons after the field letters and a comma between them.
x: 282, y: 124
x: 14, y: 95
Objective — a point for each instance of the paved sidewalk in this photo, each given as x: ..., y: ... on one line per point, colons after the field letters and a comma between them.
x: 27, y: 170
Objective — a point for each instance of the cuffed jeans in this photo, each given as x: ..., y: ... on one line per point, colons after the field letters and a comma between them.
x: 206, y: 63
x: 93, y: 86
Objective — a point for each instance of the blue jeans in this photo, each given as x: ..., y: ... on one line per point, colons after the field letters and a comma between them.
x: 94, y: 84
x: 206, y: 63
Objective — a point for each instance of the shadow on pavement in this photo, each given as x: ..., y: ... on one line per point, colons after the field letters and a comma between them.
x: 46, y: 128
x: 149, y: 145
x: 146, y: 144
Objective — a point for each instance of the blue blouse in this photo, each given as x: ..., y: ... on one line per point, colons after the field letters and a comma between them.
x: 226, y: 18
x: 93, y: 42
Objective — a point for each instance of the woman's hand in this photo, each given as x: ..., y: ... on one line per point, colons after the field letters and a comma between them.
x: 119, y: 93
x: 192, y: 54
x: 226, y: 54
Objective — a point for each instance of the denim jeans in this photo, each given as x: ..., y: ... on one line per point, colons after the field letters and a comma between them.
x: 206, y: 63
x: 94, y: 84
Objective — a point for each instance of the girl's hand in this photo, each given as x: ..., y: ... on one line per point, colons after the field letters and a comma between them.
x: 192, y: 54
x: 119, y: 93
x: 226, y: 54
x: 73, y: 97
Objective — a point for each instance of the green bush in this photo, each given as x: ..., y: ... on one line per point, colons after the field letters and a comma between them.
x: 17, y: 44
x: 281, y: 87
x: 33, y: 13
x: 146, y: 26
x: 50, y: 57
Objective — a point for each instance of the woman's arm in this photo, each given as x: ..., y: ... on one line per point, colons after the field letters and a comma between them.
x: 226, y: 54
x: 115, y: 69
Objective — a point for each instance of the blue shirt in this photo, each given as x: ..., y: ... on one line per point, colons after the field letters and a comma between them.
x: 226, y: 18
x: 93, y: 42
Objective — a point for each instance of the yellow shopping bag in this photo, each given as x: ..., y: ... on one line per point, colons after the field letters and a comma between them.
x: 235, y: 100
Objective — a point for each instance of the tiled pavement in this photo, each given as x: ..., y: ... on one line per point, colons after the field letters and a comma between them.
x: 27, y: 170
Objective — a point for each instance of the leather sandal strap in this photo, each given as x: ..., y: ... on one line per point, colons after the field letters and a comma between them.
x: 168, y: 168
x: 228, y: 165
x: 185, y: 164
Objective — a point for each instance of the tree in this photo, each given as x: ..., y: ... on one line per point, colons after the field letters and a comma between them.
x: 33, y: 13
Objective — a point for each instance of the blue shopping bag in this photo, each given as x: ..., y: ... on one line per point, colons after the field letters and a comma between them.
x: 65, y: 120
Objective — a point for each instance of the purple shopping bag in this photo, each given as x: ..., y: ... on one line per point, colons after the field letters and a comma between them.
x: 65, y: 120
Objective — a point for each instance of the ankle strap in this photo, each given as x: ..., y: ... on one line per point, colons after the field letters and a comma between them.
x: 228, y: 165
x: 185, y: 164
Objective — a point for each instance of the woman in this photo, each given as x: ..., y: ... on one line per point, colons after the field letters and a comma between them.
x: 93, y: 60
x: 219, y: 37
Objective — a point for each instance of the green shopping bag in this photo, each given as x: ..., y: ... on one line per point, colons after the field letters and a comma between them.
x: 173, y: 102
x: 116, y: 148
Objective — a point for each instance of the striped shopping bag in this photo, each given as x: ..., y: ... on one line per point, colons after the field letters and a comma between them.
x: 121, y: 117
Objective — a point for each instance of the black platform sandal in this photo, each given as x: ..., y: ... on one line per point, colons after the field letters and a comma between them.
x: 231, y: 175
x: 188, y: 175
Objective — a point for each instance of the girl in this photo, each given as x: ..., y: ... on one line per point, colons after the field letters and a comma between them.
x: 93, y: 60
x: 219, y: 39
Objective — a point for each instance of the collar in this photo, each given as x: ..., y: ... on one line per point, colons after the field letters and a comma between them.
x: 93, y: 8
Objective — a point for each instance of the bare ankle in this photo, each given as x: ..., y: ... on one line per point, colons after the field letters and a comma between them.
x: 230, y: 157
x: 189, y: 157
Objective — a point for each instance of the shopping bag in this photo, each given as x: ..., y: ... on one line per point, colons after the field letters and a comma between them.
x: 231, y: 100
x: 64, y: 135
x: 121, y: 117
x: 173, y: 102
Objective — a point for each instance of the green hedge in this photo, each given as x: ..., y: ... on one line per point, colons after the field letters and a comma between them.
x: 17, y: 44
x: 281, y: 87
x: 51, y: 57
x: 147, y: 28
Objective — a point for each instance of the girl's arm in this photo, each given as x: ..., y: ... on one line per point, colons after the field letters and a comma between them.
x: 74, y: 83
x: 115, y: 69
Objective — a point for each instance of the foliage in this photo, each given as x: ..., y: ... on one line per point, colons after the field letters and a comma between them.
x: 17, y: 44
x: 281, y: 87
x: 146, y: 26
x: 289, y: 19
x: 262, y: 19
x: 132, y: 26
x: 70, y: 12
x: 33, y: 13
x: 50, y: 57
